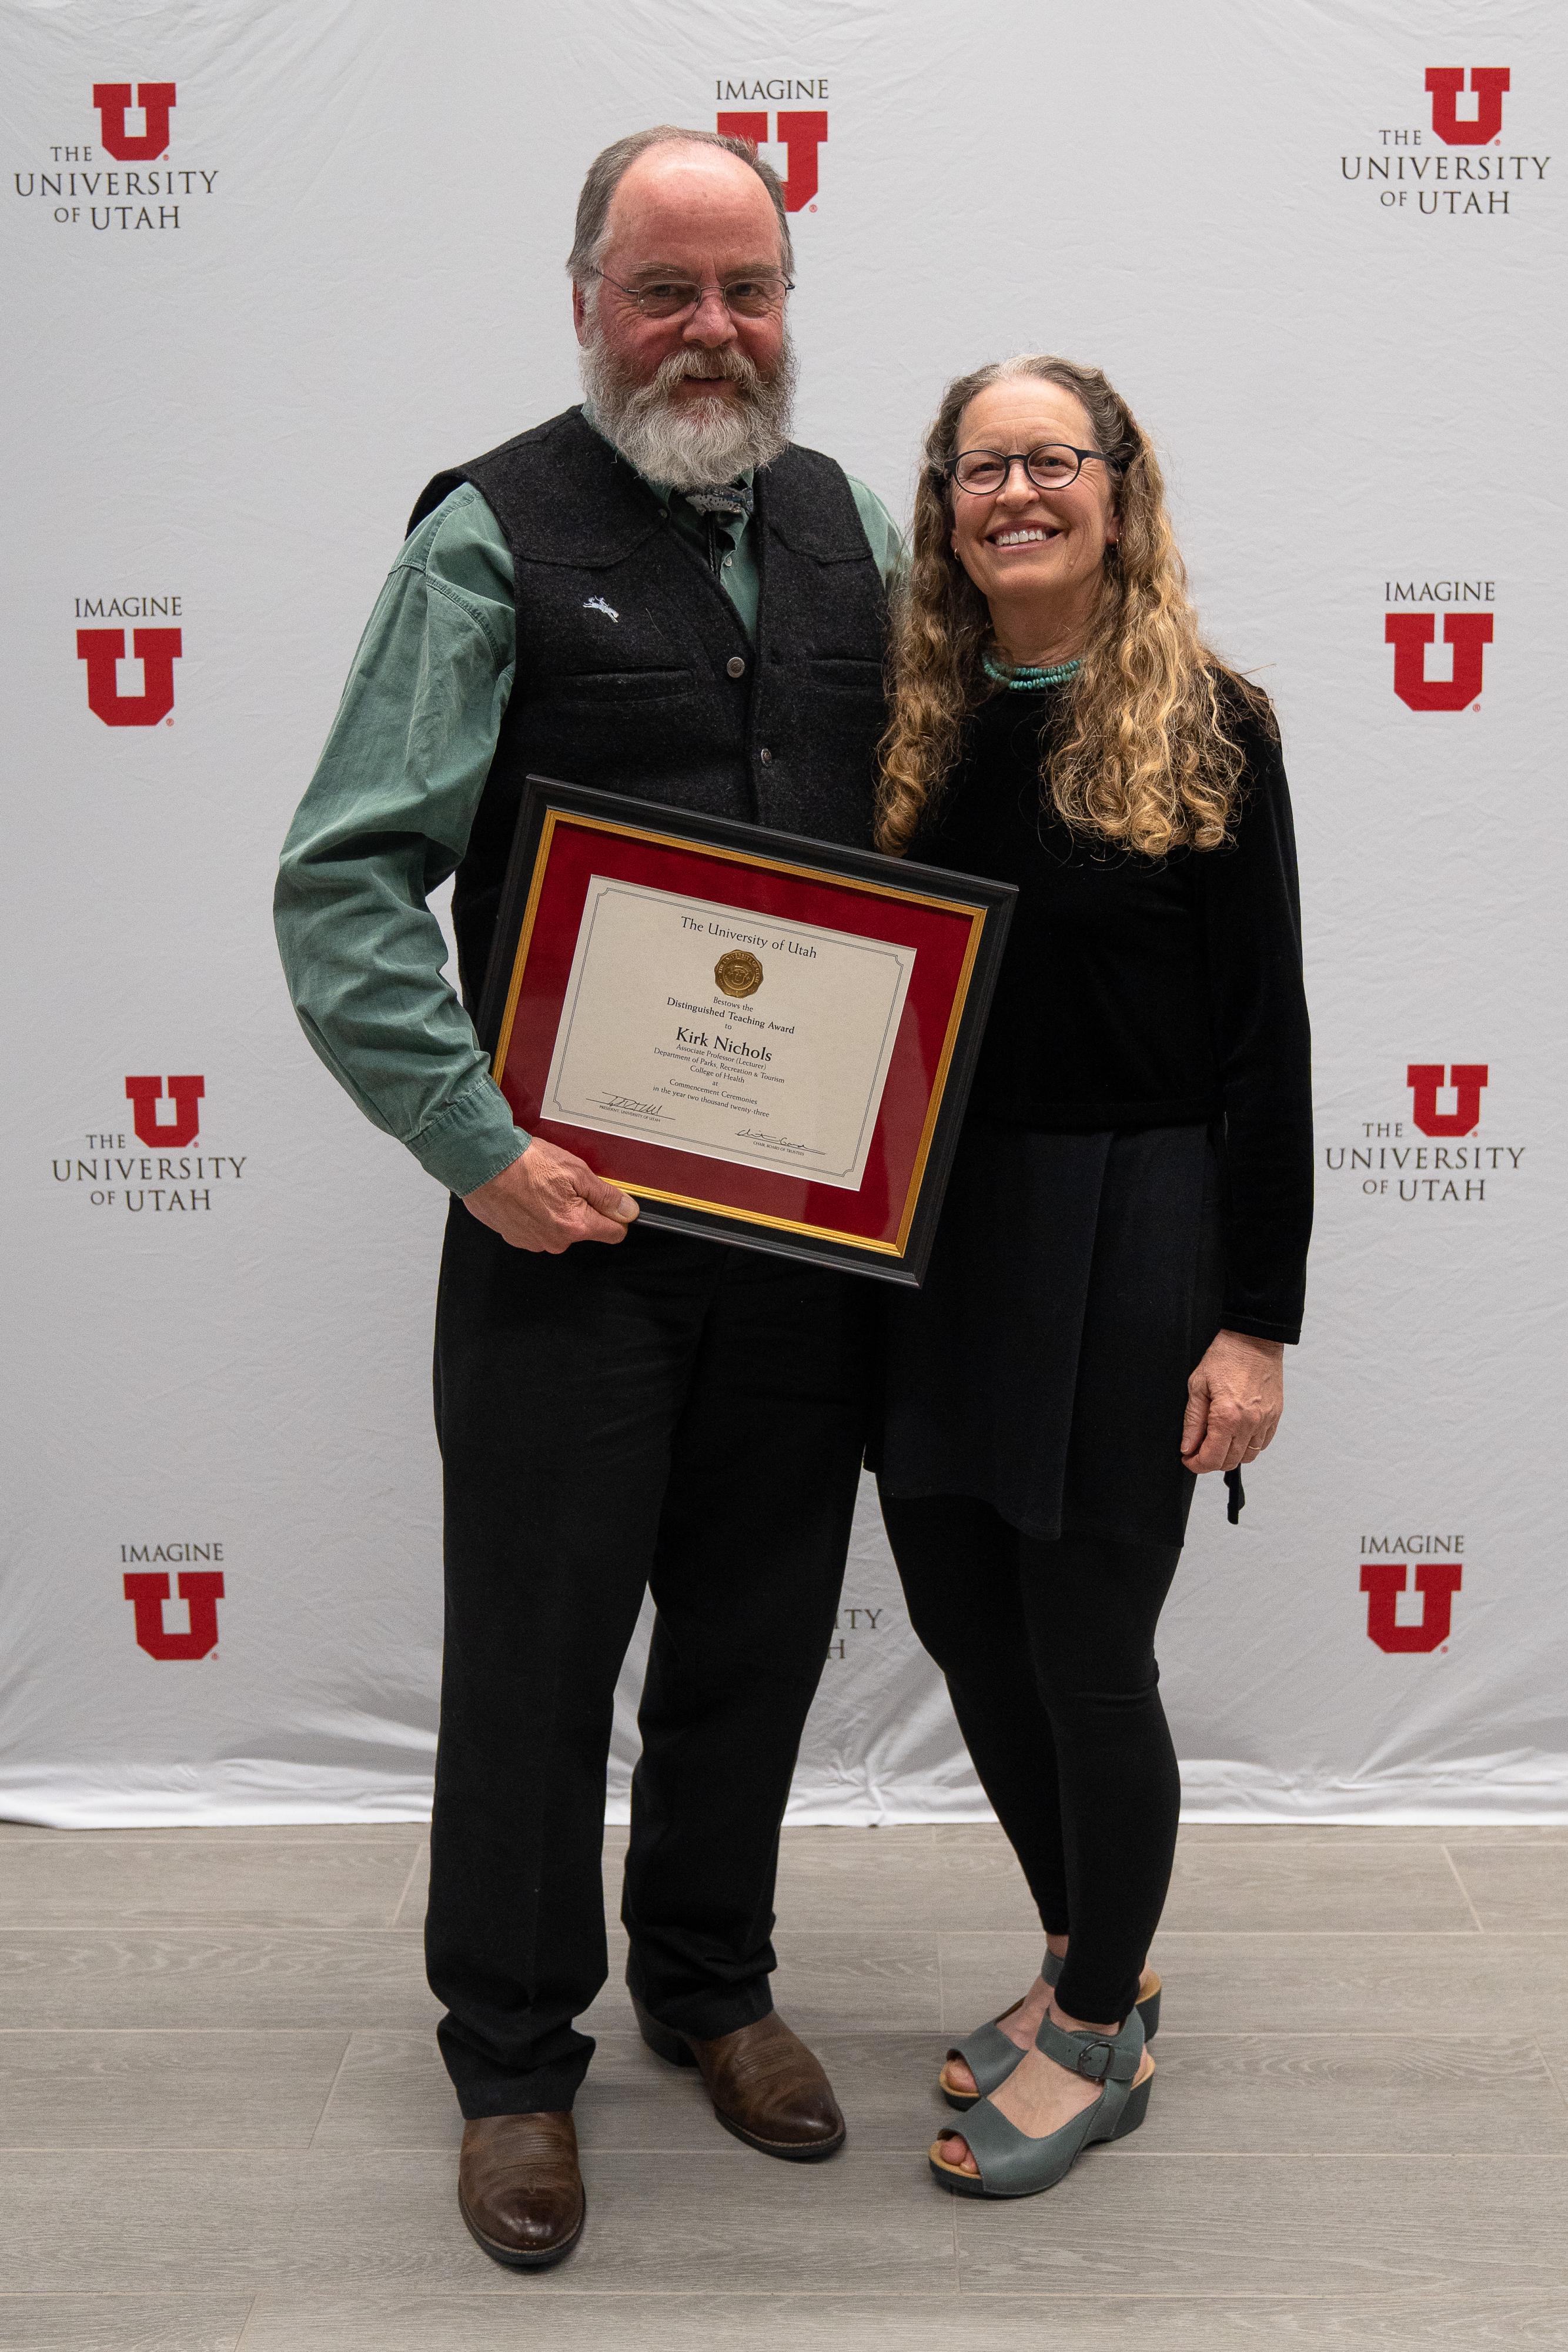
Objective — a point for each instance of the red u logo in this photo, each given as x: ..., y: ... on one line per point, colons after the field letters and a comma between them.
x: 201, y: 1588
x: 1487, y: 85
x: 156, y: 649
x: 1437, y: 1581
x: 1467, y: 1078
x: 155, y: 99
x: 801, y: 133
x: 1410, y: 634
x: 165, y: 1135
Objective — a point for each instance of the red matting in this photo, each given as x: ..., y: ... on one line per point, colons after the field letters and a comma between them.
x: 941, y: 933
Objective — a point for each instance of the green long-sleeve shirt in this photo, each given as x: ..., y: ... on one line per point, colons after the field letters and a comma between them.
x: 387, y: 818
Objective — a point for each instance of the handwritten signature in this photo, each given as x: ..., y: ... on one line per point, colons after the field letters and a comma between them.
x: 777, y: 1142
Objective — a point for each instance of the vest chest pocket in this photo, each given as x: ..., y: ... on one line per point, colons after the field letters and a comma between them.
x: 594, y: 688
x: 587, y: 641
x: 845, y: 673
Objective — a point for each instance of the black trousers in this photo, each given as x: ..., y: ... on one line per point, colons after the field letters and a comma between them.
x: 1048, y: 1649
x: 666, y: 1413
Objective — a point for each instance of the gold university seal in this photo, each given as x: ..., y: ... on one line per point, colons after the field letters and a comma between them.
x: 738, y: 973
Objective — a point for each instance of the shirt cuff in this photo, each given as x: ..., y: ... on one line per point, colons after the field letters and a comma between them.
x: 471, y: 1140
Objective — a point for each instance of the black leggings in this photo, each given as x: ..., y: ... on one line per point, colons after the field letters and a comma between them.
x: 1048, y: 1649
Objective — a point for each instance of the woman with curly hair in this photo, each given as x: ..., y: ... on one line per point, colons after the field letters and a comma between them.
x: 1120, y: 1258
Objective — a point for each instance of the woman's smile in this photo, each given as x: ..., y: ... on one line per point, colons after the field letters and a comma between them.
x: 1022, y: 534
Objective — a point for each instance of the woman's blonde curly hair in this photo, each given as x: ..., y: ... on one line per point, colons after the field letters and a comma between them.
x: 1144, y: 755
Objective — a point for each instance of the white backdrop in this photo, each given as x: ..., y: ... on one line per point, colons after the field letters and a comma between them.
x: 273, y: 263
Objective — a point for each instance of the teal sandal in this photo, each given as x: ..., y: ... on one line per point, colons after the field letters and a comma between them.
x: 990, y: 2057
x: 1010, y: 2163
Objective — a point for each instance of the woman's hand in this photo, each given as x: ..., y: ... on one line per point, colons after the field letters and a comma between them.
x: 1234, y: 1400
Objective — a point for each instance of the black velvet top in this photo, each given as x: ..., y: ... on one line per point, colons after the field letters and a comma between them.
x: 1137, y: 993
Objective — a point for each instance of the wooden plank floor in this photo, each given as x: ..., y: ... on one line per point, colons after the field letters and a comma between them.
x: 223, y: 2126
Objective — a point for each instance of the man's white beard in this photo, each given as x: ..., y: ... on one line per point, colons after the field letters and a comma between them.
x: 691, y: 445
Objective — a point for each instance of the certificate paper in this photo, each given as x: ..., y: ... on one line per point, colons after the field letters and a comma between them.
x: 732, y: 1035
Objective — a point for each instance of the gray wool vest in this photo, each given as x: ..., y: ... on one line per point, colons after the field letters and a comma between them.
x: 635, y: 672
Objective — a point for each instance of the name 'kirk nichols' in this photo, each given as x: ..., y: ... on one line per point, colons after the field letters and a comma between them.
x: 722, y: 1045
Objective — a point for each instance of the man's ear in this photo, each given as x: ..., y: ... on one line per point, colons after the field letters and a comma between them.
x: 579, y: 311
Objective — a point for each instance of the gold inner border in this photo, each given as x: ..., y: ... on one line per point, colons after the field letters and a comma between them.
x: 975, y: 916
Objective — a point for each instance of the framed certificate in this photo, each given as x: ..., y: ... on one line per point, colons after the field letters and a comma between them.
x: 766, y: 1040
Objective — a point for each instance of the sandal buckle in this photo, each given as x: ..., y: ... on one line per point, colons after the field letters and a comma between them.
x: 1093, y: 2060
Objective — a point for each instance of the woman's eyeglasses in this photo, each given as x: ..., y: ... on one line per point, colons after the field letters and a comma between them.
x: 1050, y: 466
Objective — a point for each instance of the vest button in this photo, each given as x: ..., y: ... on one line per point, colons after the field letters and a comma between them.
x: 734, y: 666
x: 765, y: 755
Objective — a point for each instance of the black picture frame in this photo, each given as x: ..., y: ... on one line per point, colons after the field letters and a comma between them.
x: 990, y: 903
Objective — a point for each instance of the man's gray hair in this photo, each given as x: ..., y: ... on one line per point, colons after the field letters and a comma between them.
x: 608, y: 169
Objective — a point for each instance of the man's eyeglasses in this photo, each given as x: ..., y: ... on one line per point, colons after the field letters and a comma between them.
x: 1049, y: 468
x: 757, y: 295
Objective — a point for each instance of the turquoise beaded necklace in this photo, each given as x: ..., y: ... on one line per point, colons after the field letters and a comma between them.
x: 1027, y: 678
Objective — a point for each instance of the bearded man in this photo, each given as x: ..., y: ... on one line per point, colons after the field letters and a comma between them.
x: 658, y: 592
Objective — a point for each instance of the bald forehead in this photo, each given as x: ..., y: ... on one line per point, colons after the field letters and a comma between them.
x: 674, y: 195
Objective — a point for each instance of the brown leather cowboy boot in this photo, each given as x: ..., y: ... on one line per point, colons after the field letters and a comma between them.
x: 518, y: 2188
x: 765, y: 2084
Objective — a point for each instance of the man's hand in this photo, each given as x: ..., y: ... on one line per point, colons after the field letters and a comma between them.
x: 1234, y: 1400
x: 548, y: 1199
